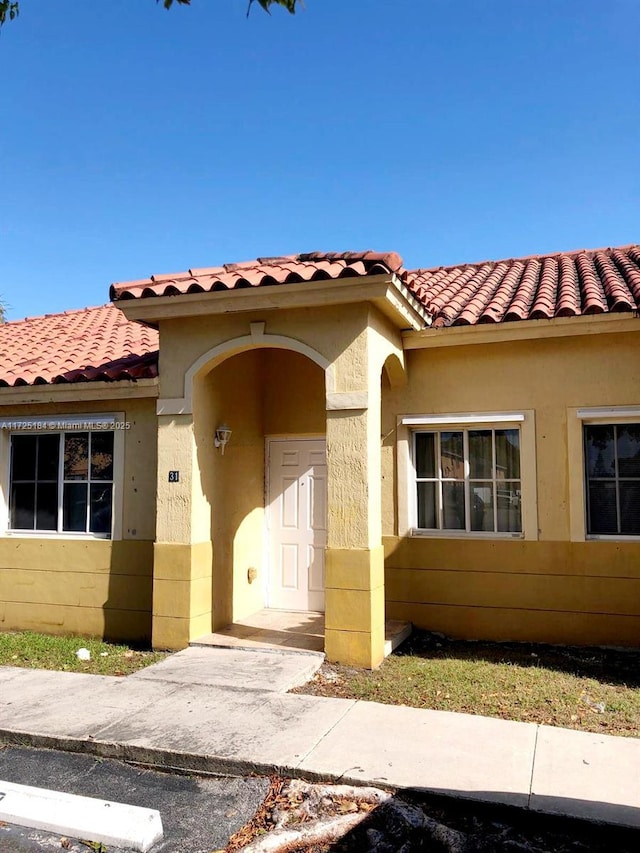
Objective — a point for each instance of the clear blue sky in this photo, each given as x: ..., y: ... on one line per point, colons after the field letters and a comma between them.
x: 138, y: 141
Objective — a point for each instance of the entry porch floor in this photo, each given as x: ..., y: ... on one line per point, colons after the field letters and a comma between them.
x: 290, y: 630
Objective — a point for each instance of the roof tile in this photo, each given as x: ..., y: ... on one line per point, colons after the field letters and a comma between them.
x: 76, y: 346
x: 534, y: 288
x: 312, y: 266
x: 101, y: 344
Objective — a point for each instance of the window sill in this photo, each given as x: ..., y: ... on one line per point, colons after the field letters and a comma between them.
x: 50, y: 534
x: 462, y: 534
x: 606, y: 537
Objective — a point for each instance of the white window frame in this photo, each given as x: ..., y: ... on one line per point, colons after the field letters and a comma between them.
x: 409, y: 425
x: 56, y: 425
x: 577, y: 419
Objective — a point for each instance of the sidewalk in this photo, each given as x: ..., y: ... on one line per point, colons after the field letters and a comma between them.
x: 227, y: 711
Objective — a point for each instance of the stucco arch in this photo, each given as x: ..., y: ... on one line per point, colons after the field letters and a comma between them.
x: 395, y: 370
x: 219, y: 353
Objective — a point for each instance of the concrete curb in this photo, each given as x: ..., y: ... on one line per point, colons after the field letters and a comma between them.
x: 132, y: 827
x: 183, y: 762
x: 162, y: 759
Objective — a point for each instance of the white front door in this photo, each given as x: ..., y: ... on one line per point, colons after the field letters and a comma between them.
x: 297, y: 522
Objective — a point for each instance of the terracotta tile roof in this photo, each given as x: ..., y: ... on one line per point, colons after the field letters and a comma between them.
x: 290, y: 269
x: 76, y: 346
x: 101, y: 344
x: 594, y: 281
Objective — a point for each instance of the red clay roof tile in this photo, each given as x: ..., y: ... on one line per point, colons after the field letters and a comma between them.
x: 76, y: 346
x: 312, y: 266
x: 538, y: 287
x: 531, y: 288
x: 101, y: 344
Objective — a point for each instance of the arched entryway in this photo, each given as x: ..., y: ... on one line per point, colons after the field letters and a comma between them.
x: 216, y: 555
x: 267, y: 493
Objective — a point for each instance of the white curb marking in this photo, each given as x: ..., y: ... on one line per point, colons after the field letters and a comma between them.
x: 85, y: 818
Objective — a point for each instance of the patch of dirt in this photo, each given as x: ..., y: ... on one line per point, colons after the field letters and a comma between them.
x: 300, y: 817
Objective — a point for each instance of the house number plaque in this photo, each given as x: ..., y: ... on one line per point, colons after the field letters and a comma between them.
x: 174, y: 476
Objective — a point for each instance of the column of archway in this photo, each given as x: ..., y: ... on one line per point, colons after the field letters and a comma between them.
x: 354, y: 580
x: 182, y: 570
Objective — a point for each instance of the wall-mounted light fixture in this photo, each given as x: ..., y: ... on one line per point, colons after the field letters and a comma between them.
x: 223, y: 434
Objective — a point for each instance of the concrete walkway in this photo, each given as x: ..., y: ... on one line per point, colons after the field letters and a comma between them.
x: 226, y: 710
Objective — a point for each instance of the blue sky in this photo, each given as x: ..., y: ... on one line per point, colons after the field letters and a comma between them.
x: 138, y: 141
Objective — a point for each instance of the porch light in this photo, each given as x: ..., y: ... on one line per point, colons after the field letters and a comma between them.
x: 223, y: 434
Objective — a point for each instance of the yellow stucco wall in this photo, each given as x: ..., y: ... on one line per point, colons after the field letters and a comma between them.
x: 551, y: 588
x: 328, y: 330
x: 294, y: 394
x: 63, y: 586
x: 211, y: 526
x: 67, y: 585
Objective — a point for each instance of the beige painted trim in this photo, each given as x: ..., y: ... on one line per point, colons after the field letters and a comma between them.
x: 342, y: 400
x: 406, y: 305
x: 5, y: 454
x: 613, y: 414
x: 405, y: 472
x: 559, y: 327
x: 461, y: 420
x: 75, y: 392
x: 575, y: 462
x: 257, y: 338
x: 404, y: 483
x: 118, y: 484
x: 392, y: 296
x: 576, y: 418
x: 62, y: 423
x: 257, y: 330
x: 171, y: 406
x: 529, y: 475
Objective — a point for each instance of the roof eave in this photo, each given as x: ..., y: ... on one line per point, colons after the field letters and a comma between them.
x: 558, y: 327
x: 70, y: 392
x: 386, y: 291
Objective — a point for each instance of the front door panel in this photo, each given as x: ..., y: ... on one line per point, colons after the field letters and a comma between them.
x: 297, y: 520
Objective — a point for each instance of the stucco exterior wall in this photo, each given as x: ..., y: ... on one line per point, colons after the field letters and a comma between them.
x: 328, y: 330
x: 67, y: 585
x: 554, y: 588
x: 294, y: 394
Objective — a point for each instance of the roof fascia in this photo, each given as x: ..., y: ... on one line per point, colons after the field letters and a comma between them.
x: 72, y: 392
x: 387, y: 291
x: 522, y: 330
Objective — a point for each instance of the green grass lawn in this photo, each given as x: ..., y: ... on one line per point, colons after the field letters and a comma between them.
x: 591, y: 689
x: 40, y: 651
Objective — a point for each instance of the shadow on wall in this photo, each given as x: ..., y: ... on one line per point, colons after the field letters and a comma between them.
x: 415, y: 820
x: 259, y: 392
x: 128, y: 608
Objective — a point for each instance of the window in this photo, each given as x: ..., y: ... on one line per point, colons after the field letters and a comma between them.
x: 468, y: 480
x: 612, y: 473
x: 62, y: 482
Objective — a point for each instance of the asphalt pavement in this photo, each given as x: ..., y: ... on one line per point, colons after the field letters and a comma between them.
x: 198, y: 814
